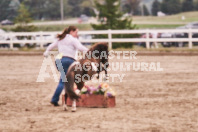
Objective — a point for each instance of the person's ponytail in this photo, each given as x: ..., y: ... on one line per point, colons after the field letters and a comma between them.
x: 65, y: 32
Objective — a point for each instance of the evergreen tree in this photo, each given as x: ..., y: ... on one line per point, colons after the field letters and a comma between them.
x: 145, y: 10
x: 196, y: 6
x: 47, y: 9
x: 52, y: 9
x: 76, y: 10
x: 110, y: 17
x: 133, y: 6
x: 37, y: 8
x: 87, y: 11
x: 174, y: 6
x: 8, y: 9
x: 155, y: 7
x: 67, y: 9
x: 126, y: 8
x: 137, y: 11
x: 87, y: 7
x: 171, y: 6
x: 13, y: 7
x: 187, y: 5
x: 164, y: 6
x: 21, y: 1
x: 23, y: 19
x: 4, y: 5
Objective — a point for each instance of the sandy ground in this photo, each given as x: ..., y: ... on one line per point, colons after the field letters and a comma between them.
x: 146, y: 101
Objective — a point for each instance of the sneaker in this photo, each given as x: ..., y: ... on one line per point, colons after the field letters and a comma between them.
x: 55, y: 103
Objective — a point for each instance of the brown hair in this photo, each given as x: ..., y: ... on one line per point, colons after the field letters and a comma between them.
x: 66, y: 31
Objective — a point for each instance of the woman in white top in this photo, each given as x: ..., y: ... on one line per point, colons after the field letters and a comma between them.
x: 68, y: 45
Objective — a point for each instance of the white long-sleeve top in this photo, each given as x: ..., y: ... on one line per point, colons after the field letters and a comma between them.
x: 67, y: 46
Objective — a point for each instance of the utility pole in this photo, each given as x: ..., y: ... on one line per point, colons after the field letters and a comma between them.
x: 61, y: 10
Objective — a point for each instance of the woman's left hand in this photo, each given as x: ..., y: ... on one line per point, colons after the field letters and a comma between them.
x: 45, y: 54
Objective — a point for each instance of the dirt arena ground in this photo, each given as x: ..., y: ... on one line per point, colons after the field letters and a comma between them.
x: 146, y: 101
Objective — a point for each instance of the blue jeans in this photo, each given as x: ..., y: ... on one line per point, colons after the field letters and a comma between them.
x: 62, y: 66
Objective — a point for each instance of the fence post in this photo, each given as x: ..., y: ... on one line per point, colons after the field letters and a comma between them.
x: 190, y: 38
x: 147, y: 39
x: 109, y: 39
x: 41, y: 36
x: 11, y: 42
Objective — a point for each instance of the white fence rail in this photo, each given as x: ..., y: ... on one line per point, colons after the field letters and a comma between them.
x: 40, y: 37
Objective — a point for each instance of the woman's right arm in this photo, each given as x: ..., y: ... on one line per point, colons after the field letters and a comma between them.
x: 50, y: 47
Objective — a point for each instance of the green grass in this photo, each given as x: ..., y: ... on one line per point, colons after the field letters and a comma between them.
x: 158, y: 26
x: 82, y: 27
x: 7, y: 28
x: 142, y: 22
x: 190, y: 17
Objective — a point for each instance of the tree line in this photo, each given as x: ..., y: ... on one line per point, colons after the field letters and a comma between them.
x: 50, y: 9
x: 45, y: 9
x: 170, y: 7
